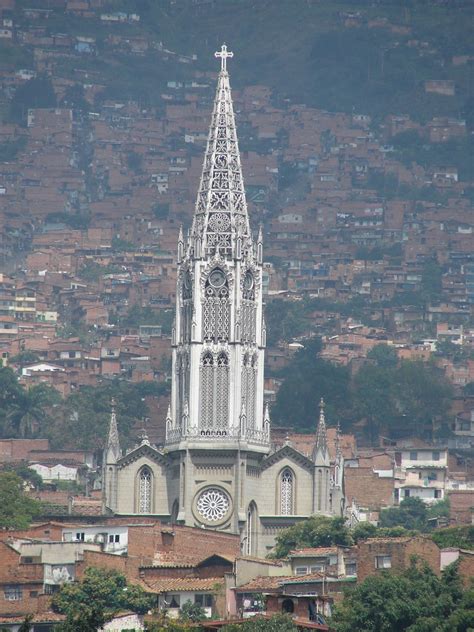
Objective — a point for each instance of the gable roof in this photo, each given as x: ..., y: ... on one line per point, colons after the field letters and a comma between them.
x: 143, y: 450
x: 289, y: 452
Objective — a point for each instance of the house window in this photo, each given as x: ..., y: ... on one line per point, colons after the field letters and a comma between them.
x: 414, y: 456
x: 351, y: 568
x: 318, y: 568
x: 301, y: 570
x: 33, y: 593
x: 438, y: 493
x: 50, y: 589
x: 144, y: 491
x: 174, y: 601
x: 406, y: 493
x: 286, y: 492
x: 435, y: 455
x: 80, y: 537
x: 27, y: 560
x: 13, y: 593
x: 114, y: 538
x: 203, y: 600
x: 383, y: 561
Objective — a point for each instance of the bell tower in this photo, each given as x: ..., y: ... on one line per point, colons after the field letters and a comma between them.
x: 219, y: 336
x: 216, y: 420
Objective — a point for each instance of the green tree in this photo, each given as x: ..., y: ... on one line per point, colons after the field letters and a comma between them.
x: 16, y: 509
x: 35, y: 93
x: 411, y: 514
x: 285, y: 321
x: 74, y: 97
x: 29, y: 413
x: 88, y: 604
x: 277, y: 623
x: 306, y: 380
x: 384, y: 356
x: 165, y: 624
x: 460, y: 537
x: 373, y: 400
x: 396, y: 399
x: 84, y: 416
x: 315, y: 531
x: 26, y: 474
x: 431, y: 281
x: 24, y: 357
x: 190, y: 611
x: 363, y: 531
x: 415, y: 600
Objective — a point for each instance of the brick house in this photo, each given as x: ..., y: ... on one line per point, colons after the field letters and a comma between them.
x: 395, y: 554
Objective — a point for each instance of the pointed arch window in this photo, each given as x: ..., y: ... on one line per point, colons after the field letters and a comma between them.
x: 145, y: 490
x: 249, y: 384
x: 214, y: 394
x: 250, y: 544
x: 216, y: 307
x: 287, y: 485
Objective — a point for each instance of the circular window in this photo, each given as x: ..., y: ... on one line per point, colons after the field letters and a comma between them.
x: 213, y: 504
x: 217, y: 278
x: 248, y: 280
x: 219, y: 222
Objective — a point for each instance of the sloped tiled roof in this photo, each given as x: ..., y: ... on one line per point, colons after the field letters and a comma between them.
x: 315, y: 551
x: 183, y: 584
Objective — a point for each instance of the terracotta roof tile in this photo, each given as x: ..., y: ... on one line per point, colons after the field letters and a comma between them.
x: 183, y: 584
x: 315, y: 551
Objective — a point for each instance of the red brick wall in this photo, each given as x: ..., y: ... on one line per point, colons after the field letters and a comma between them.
x: 399, y: 549
x: 39, y: 531
x: 461, y: 509
x: 367, y: 488
x: 126, y: 565
x: 466, y: 566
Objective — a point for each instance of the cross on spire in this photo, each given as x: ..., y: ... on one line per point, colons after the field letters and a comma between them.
x: 223, y: 54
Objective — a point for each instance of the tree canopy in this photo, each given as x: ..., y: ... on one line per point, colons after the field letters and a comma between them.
x: 393, y: 397
x: 415, y: 600
x: 315, y: 531
x: 35, y: 93
x: 412, y: 513
x: 17, y: 510
x: 307, y: 379
x: 90, y: 603
x: 461, y: 537
x: 277, y: 623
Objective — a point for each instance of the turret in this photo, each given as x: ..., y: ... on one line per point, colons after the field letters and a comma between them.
x: 322, y: 481
x: 111, y: 455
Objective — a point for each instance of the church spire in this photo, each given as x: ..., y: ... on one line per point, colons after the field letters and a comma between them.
x: 220, y: 219
x: 113, y: 442
x: 321, y: 452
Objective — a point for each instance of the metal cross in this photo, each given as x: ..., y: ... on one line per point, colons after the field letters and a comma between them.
x: 223, y: 54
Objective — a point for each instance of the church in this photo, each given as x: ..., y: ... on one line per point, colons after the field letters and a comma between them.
x: 219, y: 469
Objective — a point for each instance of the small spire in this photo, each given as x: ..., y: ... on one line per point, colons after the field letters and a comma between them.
x: 338, y: 440
x: 113, y: 440
x: 321, y: 453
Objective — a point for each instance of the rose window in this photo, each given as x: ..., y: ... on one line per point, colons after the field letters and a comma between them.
x: 213, y: 504
x: 219, y: 222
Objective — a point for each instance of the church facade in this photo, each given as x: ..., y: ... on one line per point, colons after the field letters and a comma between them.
x: 218, y: 469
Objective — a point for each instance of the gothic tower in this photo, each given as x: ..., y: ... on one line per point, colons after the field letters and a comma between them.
x: 112, y: 454
x: 218, y: 469
x: 219, y: 334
